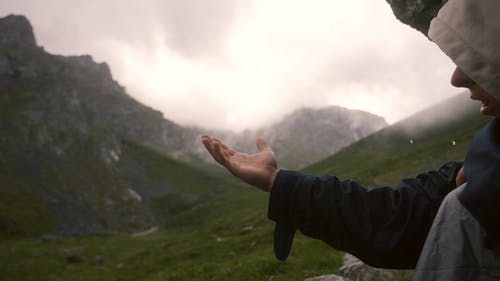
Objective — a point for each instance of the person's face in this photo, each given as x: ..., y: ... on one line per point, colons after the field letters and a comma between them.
x: 490, y: 106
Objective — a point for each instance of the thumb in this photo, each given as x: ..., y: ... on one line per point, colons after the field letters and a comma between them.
x: 460, y: 179
x: 261, y: 144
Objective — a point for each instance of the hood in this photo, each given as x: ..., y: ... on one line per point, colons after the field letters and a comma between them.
x: 468, y: 31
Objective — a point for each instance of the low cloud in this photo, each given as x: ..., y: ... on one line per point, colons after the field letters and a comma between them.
x: 242, y: 63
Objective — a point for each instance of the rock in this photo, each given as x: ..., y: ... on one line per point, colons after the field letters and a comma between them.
x: 148, y: 231
x: 355, y: 269
x: 20, y: 31
x: 49, y: 238
x: 74, y: 259
x: 416, y: 13
x: 248, y: 229
x: 331, y: 277
x: 99, y: 260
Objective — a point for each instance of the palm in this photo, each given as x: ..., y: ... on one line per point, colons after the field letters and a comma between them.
x: 257, y: 169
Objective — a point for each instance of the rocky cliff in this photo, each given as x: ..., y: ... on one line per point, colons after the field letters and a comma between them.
x: 69, y: 142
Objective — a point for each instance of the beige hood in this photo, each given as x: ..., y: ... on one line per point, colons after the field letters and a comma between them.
x: 468, y: 31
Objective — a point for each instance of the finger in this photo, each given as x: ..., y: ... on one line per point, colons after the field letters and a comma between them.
x: 208, y: 143
x: 225, y: 147
x: 221, y: 148
x: 222, y: 157
x: 212, y: 148
x: 261, y: 144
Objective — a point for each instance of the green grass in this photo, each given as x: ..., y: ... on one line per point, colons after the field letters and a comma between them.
x: 397, y: 152
x: 184, y: 177
x: 226, y: 235
x: 217, y: 246
x: 23, y: 213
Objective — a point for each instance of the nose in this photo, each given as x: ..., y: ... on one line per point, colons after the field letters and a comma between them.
x: 461, y: 80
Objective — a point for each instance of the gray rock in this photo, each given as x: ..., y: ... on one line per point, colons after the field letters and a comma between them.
x: 248, y: 229
x: 99, y: 260
x: 331, y: 277
x: 355, y: 269
x: 20, y: 31
x: 74, y: 259
x: 49, y: 238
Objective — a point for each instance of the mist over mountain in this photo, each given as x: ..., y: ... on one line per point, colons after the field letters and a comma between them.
x: 85, y: 93
x: 91, y: 158
x: 76, y: 151
x: 308, y: 135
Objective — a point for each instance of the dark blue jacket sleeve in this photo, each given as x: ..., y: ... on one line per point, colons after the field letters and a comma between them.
x: 384, y: 227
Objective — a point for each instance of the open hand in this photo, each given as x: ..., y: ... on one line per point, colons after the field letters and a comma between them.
x: 257, y: 169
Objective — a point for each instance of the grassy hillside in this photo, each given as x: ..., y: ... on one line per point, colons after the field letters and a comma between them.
x: 227, y: 236
x: 422, y: 142
x: 77, y: 154
x: 224, y: 239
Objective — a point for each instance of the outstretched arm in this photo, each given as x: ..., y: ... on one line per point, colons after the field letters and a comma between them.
x: 384, y: 227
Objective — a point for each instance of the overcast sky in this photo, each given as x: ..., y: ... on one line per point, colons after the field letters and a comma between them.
x: 238, y: 64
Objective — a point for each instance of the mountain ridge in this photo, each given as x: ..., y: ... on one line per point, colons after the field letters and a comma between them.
x: 89, y: 156
x: 148, y: 125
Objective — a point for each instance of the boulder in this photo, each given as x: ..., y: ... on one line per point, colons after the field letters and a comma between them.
x: 355, y: 269
x: 330, y: 277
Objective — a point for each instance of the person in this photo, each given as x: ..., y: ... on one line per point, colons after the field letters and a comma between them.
x: 464, y: 240
x: 447, y: 233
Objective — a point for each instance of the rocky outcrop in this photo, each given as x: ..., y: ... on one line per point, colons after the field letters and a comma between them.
x: 416, y: 13
x: 19, y: 31
x: 354, y: 269
x: 328, y: 277
x: 62, y: 125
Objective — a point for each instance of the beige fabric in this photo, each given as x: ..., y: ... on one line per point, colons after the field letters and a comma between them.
x: 468, y: 31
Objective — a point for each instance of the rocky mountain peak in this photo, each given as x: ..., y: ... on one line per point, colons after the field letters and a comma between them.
x: 16, y: 30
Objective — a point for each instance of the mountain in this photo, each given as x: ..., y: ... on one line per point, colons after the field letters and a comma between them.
x: 74, y: 143
x: 423, y: 141
x: 78, y: 154
x: 308, y: 135
x: 88, y: 157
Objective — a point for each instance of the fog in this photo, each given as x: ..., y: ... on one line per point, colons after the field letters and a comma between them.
x: 240, y: 64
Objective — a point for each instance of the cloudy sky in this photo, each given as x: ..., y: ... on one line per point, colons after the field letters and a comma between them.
x: 238, y: 64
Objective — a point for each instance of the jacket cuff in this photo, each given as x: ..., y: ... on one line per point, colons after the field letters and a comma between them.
x: 281, y: 197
